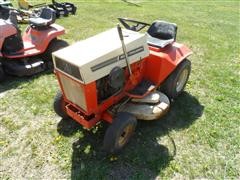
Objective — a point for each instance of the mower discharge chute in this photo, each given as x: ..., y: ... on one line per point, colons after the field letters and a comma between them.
x: 120, y: 76
x: 30, y: 53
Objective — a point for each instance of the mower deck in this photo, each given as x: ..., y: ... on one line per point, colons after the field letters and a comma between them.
x: 152, y: 107
x: 27, y: 68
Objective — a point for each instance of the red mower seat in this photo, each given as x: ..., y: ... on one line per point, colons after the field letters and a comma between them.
x: 46, y: 18
x: 161, y: 33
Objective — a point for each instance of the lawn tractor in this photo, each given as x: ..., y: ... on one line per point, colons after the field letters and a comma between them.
x: 5, y: 3
x: 22, y: 15
x: 120, y: 76
x: 31, y: 53
x: 24, y: 4
x: 63, y: 9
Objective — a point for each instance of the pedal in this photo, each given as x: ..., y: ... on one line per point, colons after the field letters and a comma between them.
x: 144, y: 87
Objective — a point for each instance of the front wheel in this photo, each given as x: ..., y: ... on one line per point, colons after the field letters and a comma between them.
x: 176, y: 82
x: 119, y: 132
x: 59, y: 105
x: 2, y: 74
x: 54, y: 45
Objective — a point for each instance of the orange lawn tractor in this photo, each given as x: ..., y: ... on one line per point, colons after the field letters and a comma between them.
x: 121, y: 76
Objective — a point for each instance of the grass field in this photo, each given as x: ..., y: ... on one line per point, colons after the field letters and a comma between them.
x: 198, y: 138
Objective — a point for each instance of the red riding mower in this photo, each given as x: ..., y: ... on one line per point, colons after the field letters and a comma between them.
x: 121, y: 80
x: 31, y: 53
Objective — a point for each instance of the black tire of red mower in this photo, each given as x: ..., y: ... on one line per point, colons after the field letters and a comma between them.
x: 2, y: 74
x: 54, y: 45
x: 59, y: 105
x: 170, y: 84
x: 114, y: 131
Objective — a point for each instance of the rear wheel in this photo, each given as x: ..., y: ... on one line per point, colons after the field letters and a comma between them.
x: 59, y: 105
x: 119, y: 132
x: 176, y: 82
x: 54, y: 45
x: 2, y: 74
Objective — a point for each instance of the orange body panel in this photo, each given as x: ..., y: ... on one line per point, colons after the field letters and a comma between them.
x: 90, y: 95
x: 162, y: 62
x: 156, y: 67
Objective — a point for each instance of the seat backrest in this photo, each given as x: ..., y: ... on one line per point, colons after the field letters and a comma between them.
x: 163, y: 30
x: 13, y: 18
x: 48, y: 13
x: 4, y: 13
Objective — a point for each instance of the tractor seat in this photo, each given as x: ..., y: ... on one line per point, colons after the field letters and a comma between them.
x: 46, y: 18
x: 12, y: 18
x: 161, y: 33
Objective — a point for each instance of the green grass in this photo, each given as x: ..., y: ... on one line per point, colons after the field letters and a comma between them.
x: 198, y: 138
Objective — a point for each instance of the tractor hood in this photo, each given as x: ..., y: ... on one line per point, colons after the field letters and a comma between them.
x: 95, y: 57
x: 6, y: 29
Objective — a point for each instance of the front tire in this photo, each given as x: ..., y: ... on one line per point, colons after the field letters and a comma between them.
x: 176, y: 82
x: 2, y: 74
x: 54, y: 45
x: 59, y: 105
x: 119, y: 132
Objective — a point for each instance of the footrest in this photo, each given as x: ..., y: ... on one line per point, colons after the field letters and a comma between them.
x: 147, y: 111
x: 142, y: 89
x: 87, y: 122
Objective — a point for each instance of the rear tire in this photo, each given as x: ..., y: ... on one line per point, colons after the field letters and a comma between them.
x: 54, y: 45
x: 176, y: 82
x: 119, y: 132
x: 59, y: 105
x: 2, y: 74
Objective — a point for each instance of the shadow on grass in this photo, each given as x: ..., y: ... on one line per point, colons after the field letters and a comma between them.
x: 13, y: 82
x: 150, y: 150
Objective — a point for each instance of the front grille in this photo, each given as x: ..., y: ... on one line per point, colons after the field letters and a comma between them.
x: 68, y: 68
x: 73, y: 91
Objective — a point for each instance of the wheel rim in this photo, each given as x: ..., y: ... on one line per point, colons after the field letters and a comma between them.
x: 125, y: 135
x: 182, y: 80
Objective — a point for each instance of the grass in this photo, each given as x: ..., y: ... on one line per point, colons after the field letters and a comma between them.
x: 198, y: 138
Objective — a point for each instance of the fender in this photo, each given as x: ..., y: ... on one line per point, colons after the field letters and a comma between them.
x: 165, y: 61
x: 37, y: 41
x: 42, y: 38
x: 6, y: 30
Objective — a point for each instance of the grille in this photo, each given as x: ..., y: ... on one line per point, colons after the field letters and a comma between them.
x: 68, y: 68
x: 73, y: 91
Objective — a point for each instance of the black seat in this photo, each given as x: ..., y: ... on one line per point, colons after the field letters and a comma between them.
x: 162, y: 33
x: 4, y: 12
x: 46, y: 18
x: 12, y: 18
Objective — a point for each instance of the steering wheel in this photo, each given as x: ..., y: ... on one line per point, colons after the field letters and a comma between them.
x: 137, y: 25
